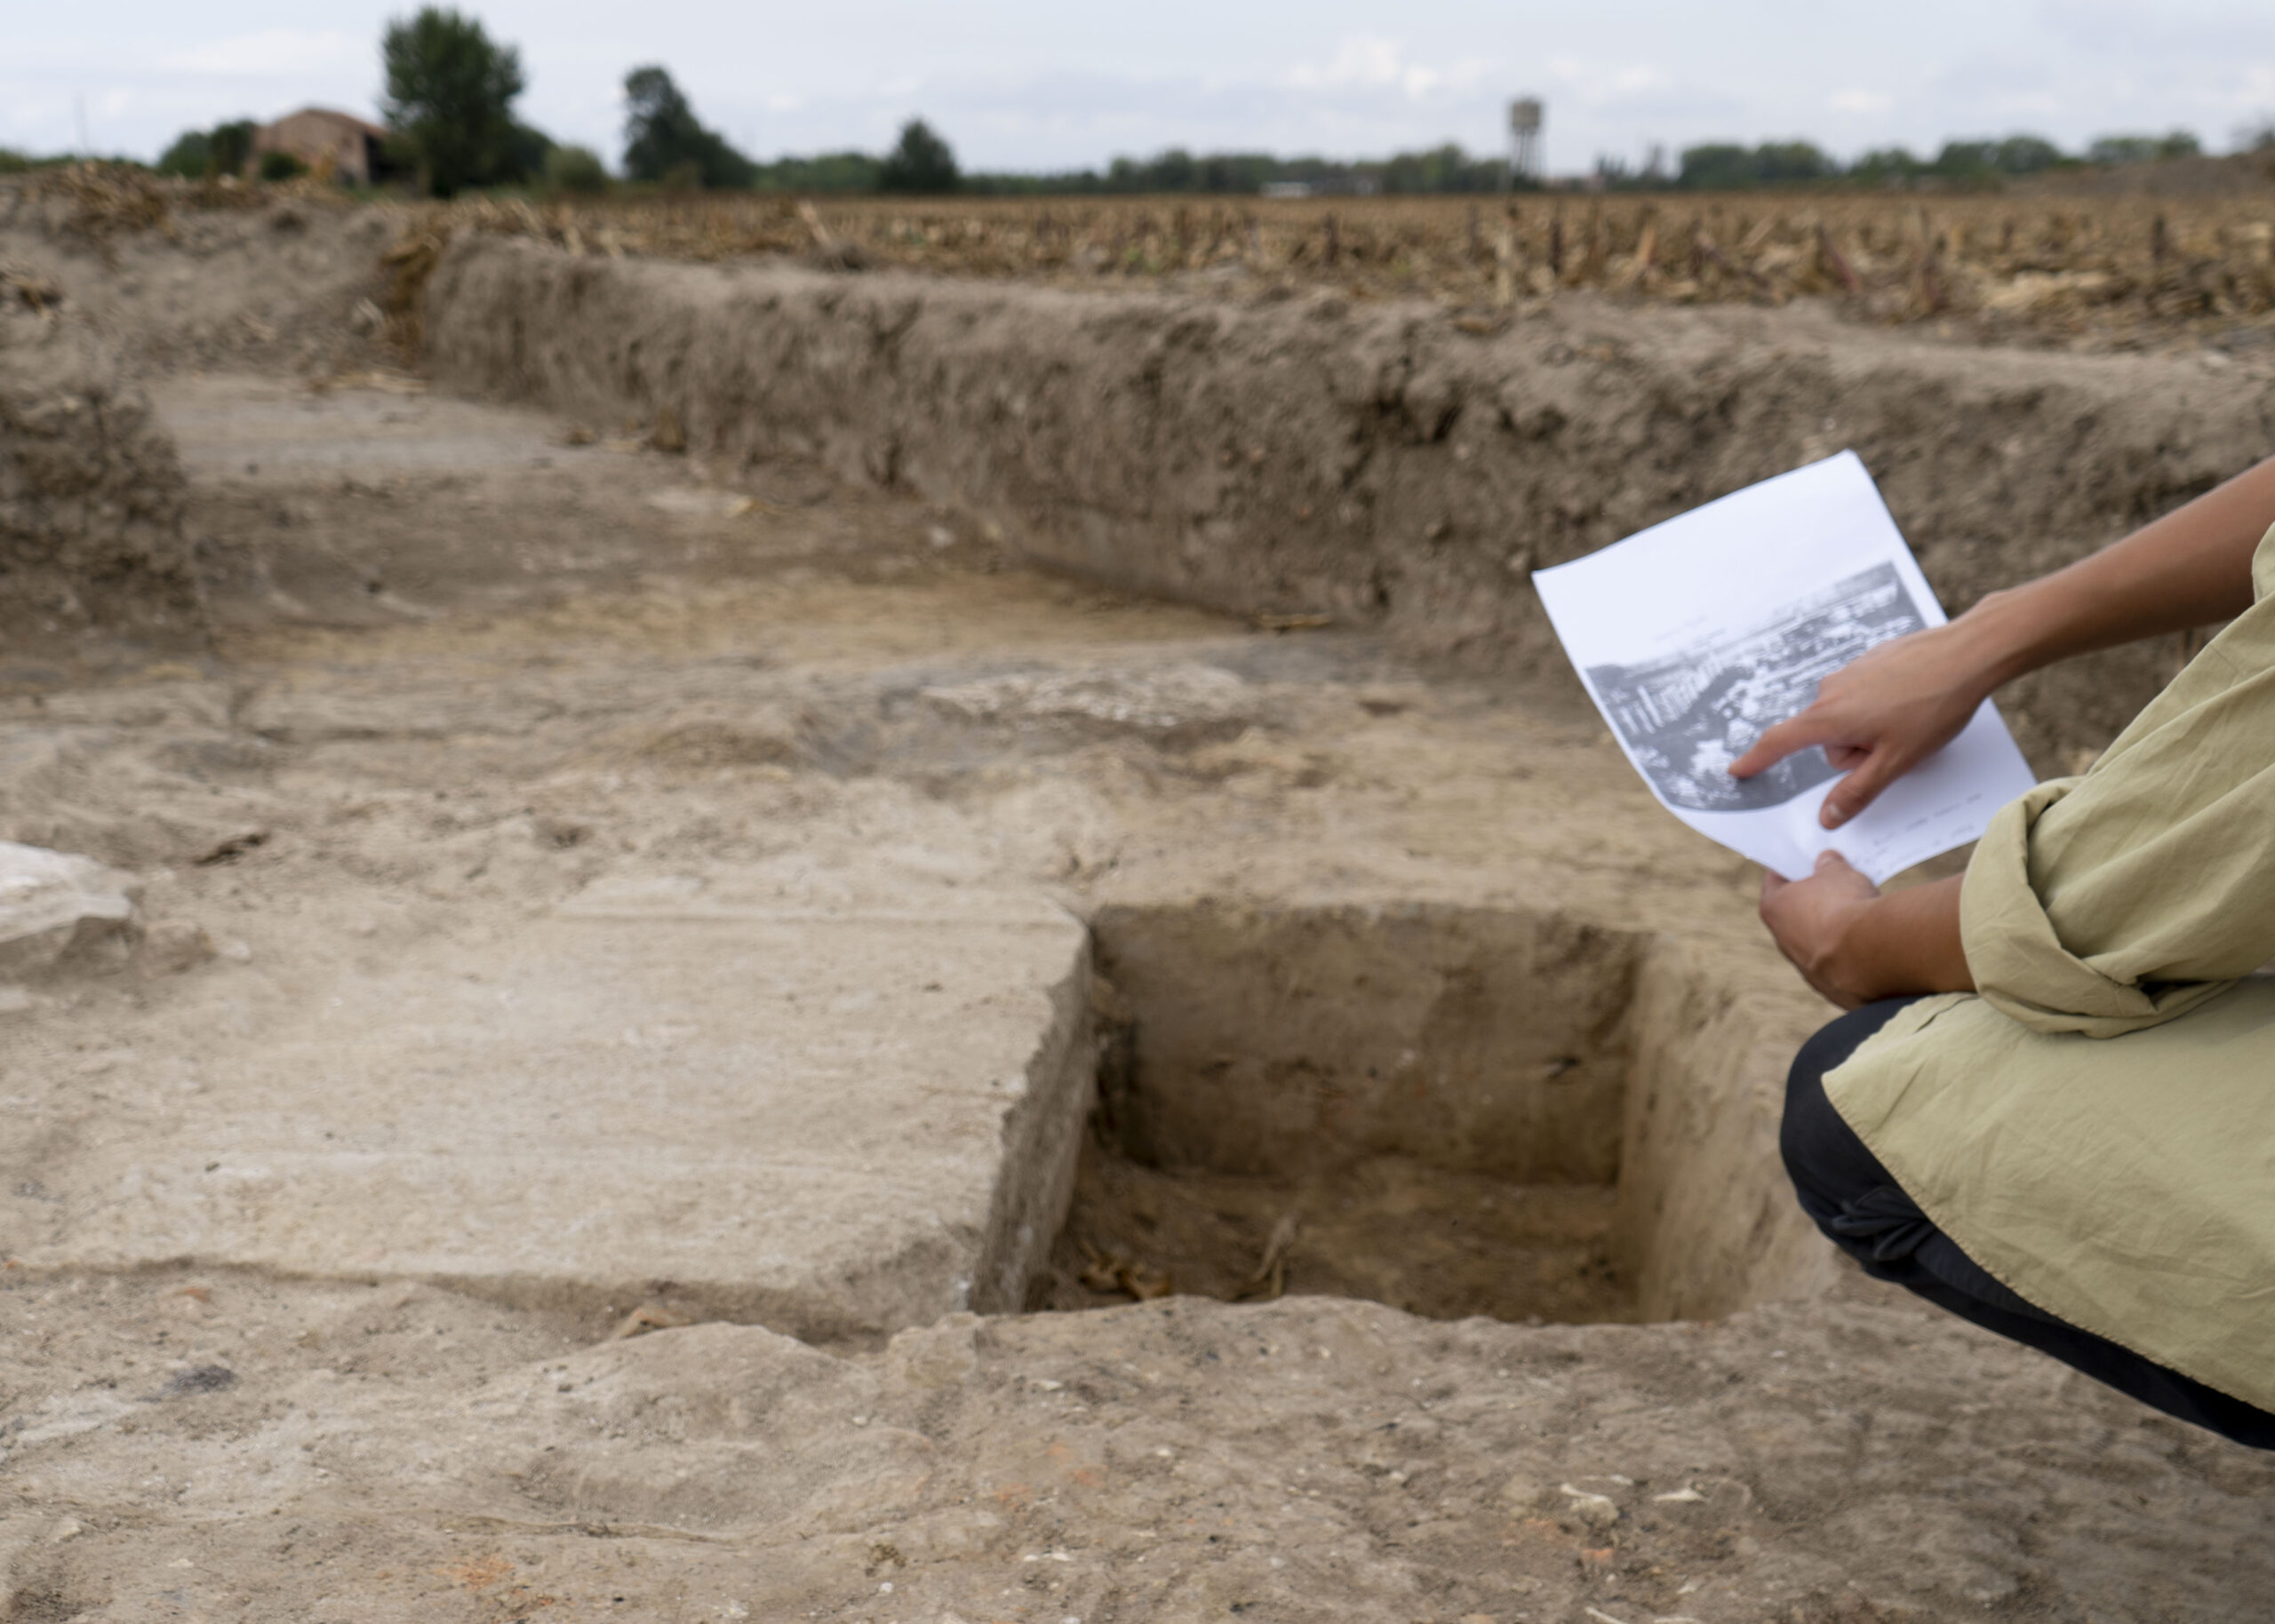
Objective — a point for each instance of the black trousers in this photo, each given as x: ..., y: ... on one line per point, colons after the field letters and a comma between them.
x: 1865, y: 1212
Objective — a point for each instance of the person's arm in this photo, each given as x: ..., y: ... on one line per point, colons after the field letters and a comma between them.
x: 1890, y: 709
x: 1855, y: 945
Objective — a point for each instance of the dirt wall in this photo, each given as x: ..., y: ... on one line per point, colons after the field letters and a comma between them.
x: 1282, y: 1042
x: 1707, y: 1223
x: 1374, y: 462
x: 288, y: 285
x: 91, y: 493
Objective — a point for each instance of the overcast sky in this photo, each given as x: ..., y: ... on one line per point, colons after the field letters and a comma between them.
x: 1040, y: 83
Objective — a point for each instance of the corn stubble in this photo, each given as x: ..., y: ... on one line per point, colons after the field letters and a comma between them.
x: 2114, y: 270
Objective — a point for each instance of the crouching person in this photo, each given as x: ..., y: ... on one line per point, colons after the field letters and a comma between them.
x: 2051, y: 1108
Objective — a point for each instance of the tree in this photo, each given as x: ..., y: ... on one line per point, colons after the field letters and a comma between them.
x: 527, y: 148
x: 920, y: 163
x: 575, y: 170
x: 1782, y: 160
x: 1717, y: 166
x: 2025, y: 154
x: 1726, y: 166
x: 1441, y: 169
x: 232, y: 147
x: 2143, y: 148
x: 663, y: 137
x: 1173, y: 171
x: 1887, y: 166
x: 825, y: 172
x: 450, y: 91
x: 192, y: 151
x: 221, y: 150
x: 1984, y: 161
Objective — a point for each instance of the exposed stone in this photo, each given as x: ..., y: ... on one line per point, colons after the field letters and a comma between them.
x: 52, y: 903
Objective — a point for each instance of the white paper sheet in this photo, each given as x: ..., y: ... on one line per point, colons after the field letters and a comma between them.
x: 1695, y: 635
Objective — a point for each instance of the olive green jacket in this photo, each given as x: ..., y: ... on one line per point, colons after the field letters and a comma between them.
x: 2096, y: 1127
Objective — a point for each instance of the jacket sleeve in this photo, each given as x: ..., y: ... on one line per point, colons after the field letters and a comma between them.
x: 2115, y: 901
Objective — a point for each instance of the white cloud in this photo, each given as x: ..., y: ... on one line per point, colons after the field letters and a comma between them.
x: 2039, y: 104
x: 1369, y: 62
x: 1860, y: 101
x: 274, y: 51
x: 31, y: 112
x: 1603, y: 84
x: 1356, y: 61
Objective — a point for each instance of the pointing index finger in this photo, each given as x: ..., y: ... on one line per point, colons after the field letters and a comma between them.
x: 1788, y: 737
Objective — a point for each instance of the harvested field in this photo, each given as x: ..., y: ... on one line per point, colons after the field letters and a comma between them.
x: 2118, y: 271
x: 794, y: 948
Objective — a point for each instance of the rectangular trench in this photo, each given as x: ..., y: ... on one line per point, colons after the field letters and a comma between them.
x: 1455, y: 1110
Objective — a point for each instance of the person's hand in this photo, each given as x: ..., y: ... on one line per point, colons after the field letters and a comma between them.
x: 1812, y: 921
x: 1883, y: 714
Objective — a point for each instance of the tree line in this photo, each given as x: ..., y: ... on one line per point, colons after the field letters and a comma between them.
x: 451, y: 90
x: 1724, y: 166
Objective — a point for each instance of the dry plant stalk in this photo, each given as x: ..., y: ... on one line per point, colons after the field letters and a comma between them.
x: 106, y: 199
x: 408, y: 262
x: 38, y: 293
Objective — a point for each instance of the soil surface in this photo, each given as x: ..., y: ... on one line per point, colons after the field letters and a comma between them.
x: 462, y: 660
x: 353, y: 769
x: 1426, y: 1240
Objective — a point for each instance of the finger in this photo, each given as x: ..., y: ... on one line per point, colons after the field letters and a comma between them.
x: 1793, y: 735
x: 1832, y: 863
x: 1859, y: 789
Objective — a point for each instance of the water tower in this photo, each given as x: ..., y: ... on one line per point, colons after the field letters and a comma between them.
x: 1525, y: 160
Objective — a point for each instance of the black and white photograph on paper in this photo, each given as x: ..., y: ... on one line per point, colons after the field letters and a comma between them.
x: 1696, y: 634
x: 1686, y: 717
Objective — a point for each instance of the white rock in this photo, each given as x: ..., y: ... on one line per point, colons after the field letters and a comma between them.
x: 49, y: 899
x: 1598, y: 1511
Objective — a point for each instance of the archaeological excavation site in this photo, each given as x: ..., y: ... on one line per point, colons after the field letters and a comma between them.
x: 794, y: 933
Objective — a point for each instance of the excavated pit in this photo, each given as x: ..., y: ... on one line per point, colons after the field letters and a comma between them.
x: 1452, y: 1111
x: 463, y: 666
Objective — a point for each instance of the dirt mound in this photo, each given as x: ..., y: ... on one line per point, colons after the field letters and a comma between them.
x: 276, y: 282
x: 1375, y: 463
x: 91, y: 492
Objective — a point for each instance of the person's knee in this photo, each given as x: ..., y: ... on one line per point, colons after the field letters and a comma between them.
x: 1834, y: 1041
x: 1805, y: 1101
x: 1828, y: 1164
x: 1804, y: 1134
